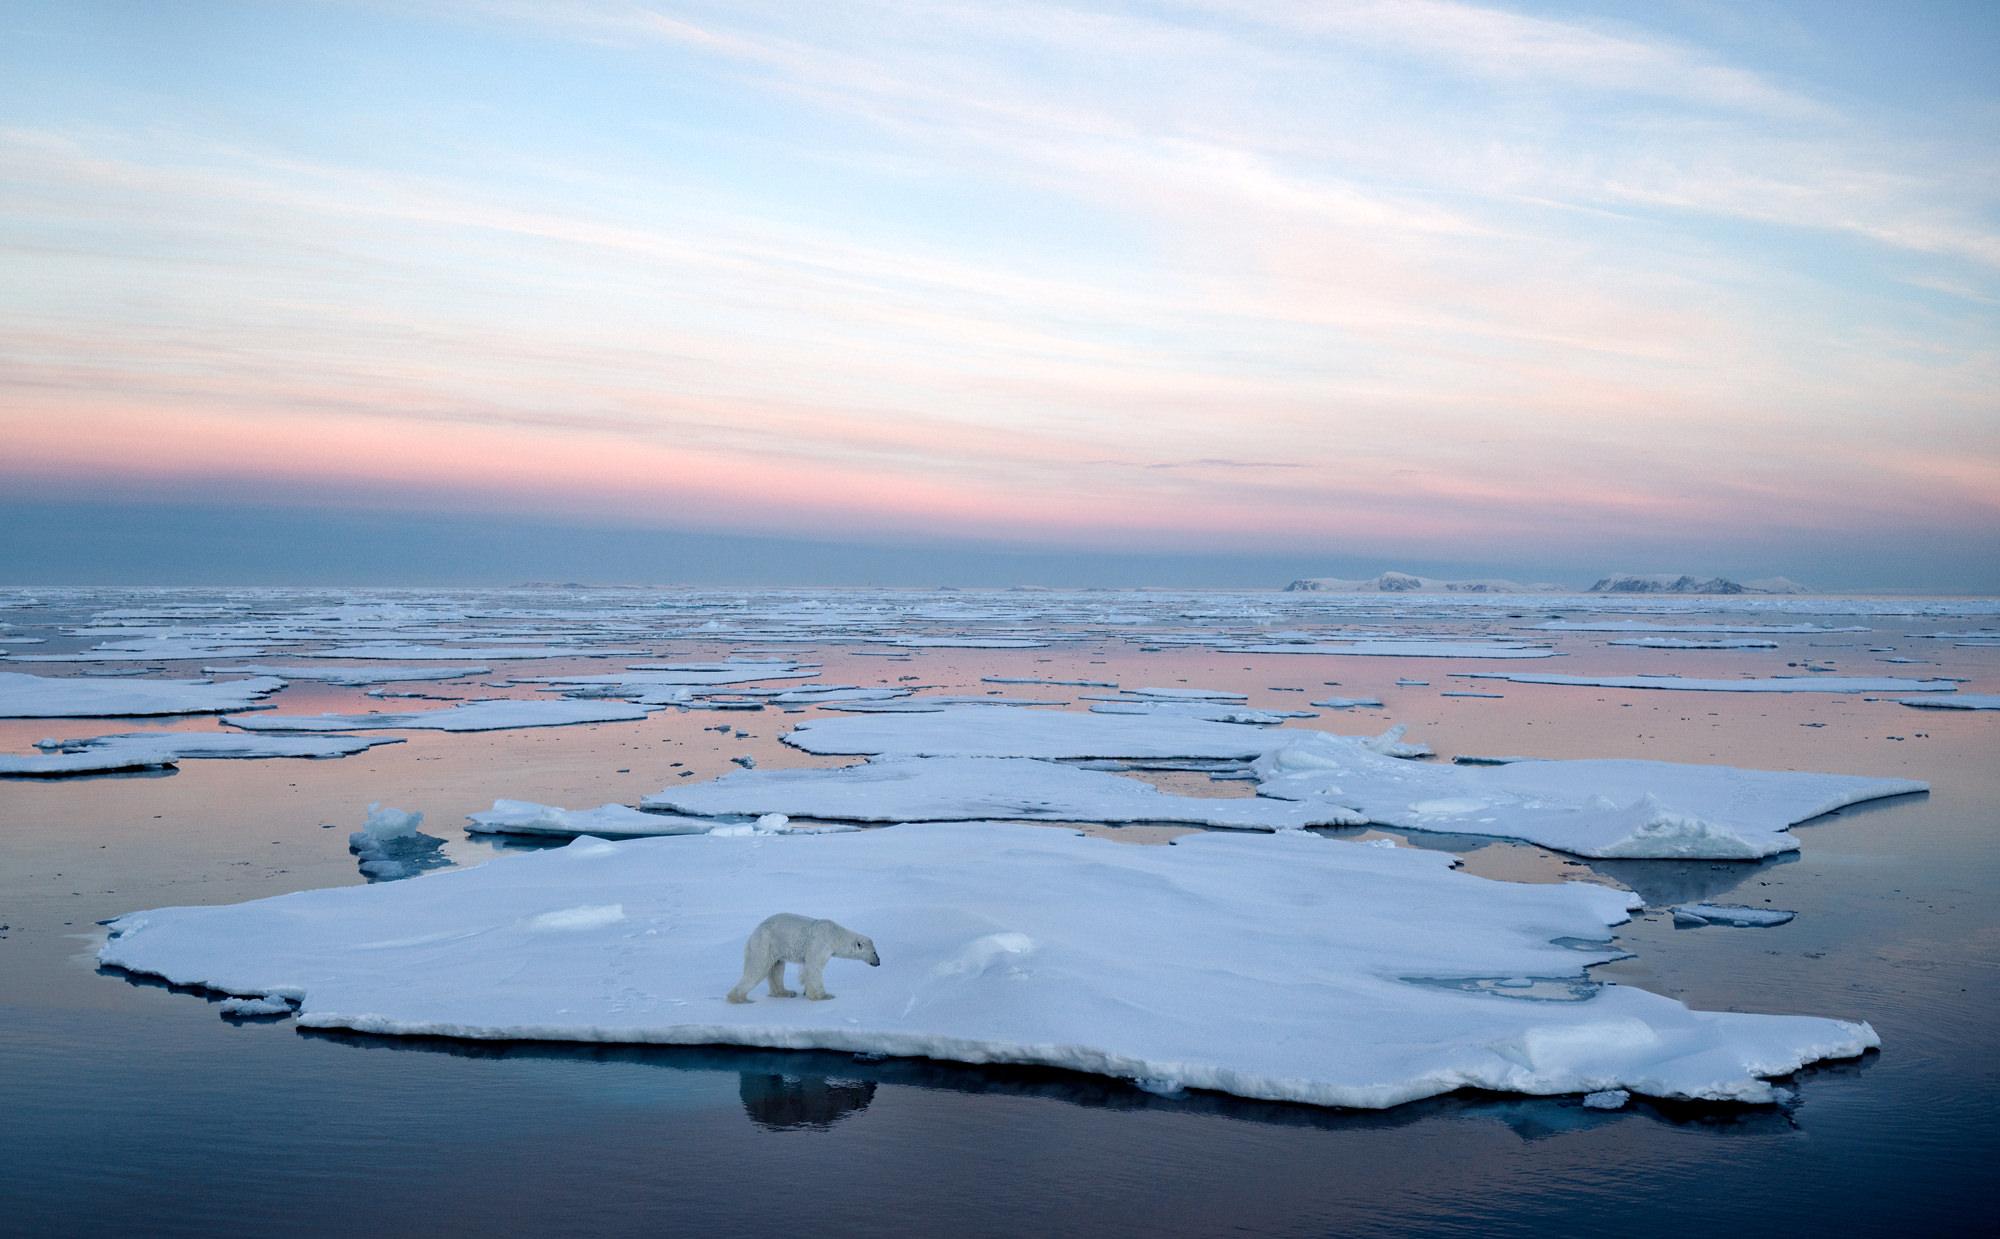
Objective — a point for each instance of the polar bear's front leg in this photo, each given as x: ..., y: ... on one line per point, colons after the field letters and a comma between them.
x: 777, y: 979
x: 813, y: 973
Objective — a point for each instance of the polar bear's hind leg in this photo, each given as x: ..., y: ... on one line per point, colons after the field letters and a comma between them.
x: 756, y: 954
x: 777, y: 979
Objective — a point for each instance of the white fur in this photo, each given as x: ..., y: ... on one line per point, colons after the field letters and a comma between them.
x: 790, y: 939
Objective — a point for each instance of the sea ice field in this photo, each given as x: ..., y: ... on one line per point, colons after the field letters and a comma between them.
x: 338, y: 910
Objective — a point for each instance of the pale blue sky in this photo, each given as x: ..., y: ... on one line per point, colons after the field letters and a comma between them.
x: 1542, y: 289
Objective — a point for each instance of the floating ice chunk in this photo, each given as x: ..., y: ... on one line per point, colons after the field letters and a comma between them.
x: 353, y: 676
x: 610, y: 821
x: 980, y: 731
x: 1695, y: 915
x: 1139, y: 963
x: 1769, y: 684
x: 1029, y: 679
x: 36, y: 696
x: 1957, y: 701
x: 1607, y: 1099
x: 1647, y: 626
x: 1186, y: 694
x: 1213, y: 711
x: 389, y: 846
x: 269, y: 1004
x: 493, y: 714
x: 163, y: 750
x: 933, y: 705
x: 1406, y: 649
x: 1680, y: 643
x: 1348, y: 703
x: 966, y: 643
x: 391, y: 650
x: 937, y: 789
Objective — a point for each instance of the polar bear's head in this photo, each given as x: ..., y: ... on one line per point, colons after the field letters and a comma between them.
x: 861, y: 947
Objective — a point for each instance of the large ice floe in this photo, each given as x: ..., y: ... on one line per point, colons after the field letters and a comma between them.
x: 1612, y: 808
x: 161, y: 750
x: 1598, y: 808
x: 354, y: 677
x: 1766, y: 684
x: 1411, y: 648
x: 1957, y: 701
x: 495, y: 714
x: 36, y: 696
x: 616, y: 821
x: 1290, y: 969
x: 937, y: 789
x: 1162, y: 732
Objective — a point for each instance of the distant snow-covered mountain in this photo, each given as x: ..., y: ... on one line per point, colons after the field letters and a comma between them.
x: 1681, y: 583
x: 1405, y: 583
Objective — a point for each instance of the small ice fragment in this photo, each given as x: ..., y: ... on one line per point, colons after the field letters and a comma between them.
x: 1608, y: 1099
x: 1695, y: 915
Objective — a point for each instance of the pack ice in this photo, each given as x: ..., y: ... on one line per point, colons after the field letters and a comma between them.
x: 985, y: 731
x: 1766, y: 684
x: 1290, y: 968
x: 939, y: 789
x: 1591, y: 807
x: 37, y: 696
x: 163, y: 750
x: 495, y: 714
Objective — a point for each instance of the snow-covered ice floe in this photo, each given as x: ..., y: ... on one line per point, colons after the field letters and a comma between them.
x: 36, y: 696
x: 159, y: 750
x: 1597, y: 808
x: 353, y: 677
x: 1957, y: 701
x: 938, y: 789
x: 1609, y: 808
x: 1681, y: 643
x: 1768, y: 684
x: 495, y: 714
x: 1696, y: 915
x: 617, y: 821
x: 1646, y: 626
x: 983, y: 731
x: 1404, y: 649
x: 1284, y: 969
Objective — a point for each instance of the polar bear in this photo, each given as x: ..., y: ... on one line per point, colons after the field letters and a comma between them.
x: 790, y: 939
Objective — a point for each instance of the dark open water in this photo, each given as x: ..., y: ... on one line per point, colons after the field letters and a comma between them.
x: 129, y: 1109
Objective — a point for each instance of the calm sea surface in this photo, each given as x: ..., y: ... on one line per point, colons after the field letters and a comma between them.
x: 127, y: 1108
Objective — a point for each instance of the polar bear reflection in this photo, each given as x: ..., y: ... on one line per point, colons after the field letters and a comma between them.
x: 791, y: 1103
x: 790, y: 939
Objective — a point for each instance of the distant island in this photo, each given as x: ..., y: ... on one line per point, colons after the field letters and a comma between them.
x: 1618, y: 583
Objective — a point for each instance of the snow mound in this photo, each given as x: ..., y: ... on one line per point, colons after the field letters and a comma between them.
x: 1189, y: 965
